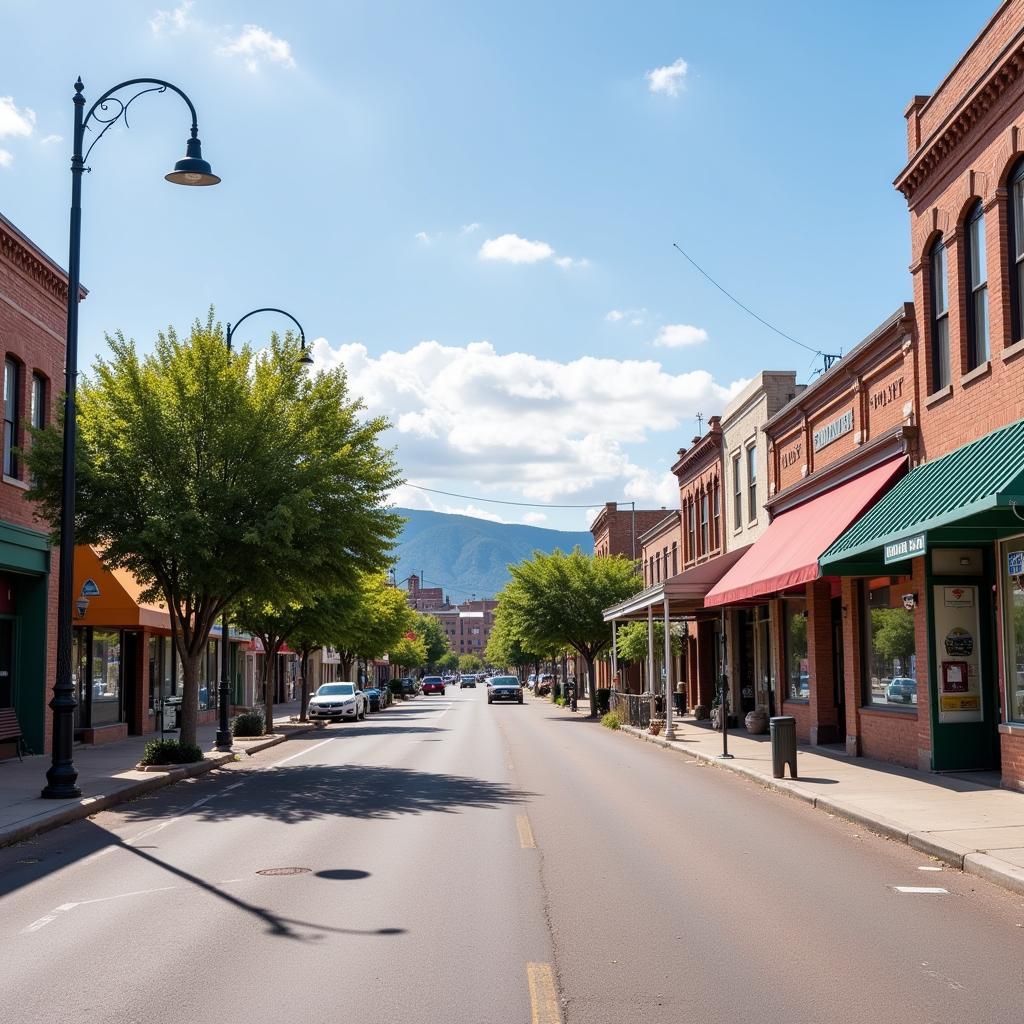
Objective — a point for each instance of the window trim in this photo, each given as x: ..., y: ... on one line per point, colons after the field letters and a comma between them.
x: 11, y: 467
x: 1015, y: 263
x: 737, y: 489
x: 976, y: 356
x: 752, y: 505
x: 938, y: 320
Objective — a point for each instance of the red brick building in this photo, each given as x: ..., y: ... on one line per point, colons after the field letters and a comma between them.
x: 33, y: 312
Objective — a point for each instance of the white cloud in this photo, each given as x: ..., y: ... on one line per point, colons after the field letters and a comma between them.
x: 49, y: 140
x: 546, y: 430
x: 410, y: 496
x: 468, y: 229
x: 176, y: 20
x: 534, y: 518
x: 5, y: 158
x: 513, y: 249
x: 668, y: 79
x: 680, y: 335
x: 422, y: 236
x: 636, y: 317
x: 256, y: 44
x: 14, y: 121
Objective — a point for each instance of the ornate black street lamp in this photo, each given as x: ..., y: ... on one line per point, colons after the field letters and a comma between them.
x: 192, y: 169
x: 223, y: 739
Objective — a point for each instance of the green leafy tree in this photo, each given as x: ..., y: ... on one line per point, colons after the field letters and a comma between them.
x: 408, y: 652
x: 631, y: 642
x: 470, y: 663
x: 557, y: 600
x: 210, y: 478
x: 430, y: 630
x: 448, y: 662
x: 505, y: 648
x: 373, y: 622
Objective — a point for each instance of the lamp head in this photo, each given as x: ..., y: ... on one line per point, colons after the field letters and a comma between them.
x: 192, y: 169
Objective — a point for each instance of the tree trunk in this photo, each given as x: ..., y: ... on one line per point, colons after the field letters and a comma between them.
x: 189, y: 697
x: 305, y: 685
x: 345, y: 659
x: 268, y: 694
x: 591, y: 688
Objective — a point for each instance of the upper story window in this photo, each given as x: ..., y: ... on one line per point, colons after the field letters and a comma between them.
x: 737, y: 494
x: 940, y: 316
x: 977, y: 288
x: 752, y: 483
x: 716, y: 513
x: 37, y: 414
x: 675, y: 558
x: 704, y: 523
x: 1016, y: 222
x: 12, y: 373
x: 691, y: 532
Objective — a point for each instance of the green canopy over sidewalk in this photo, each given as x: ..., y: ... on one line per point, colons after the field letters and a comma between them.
x: 973, y: 495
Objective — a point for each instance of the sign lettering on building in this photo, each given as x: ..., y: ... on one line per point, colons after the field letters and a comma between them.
x: 833, y: 431
x: 791, y: 456
x: 906, y: 547
x: 889, y: 393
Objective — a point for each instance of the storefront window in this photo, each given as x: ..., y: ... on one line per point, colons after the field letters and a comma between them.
x: 1013, y: 624
x: 890, y: 648
x: 764, y: 669
x: 106, y: 677
x: 798, y: 686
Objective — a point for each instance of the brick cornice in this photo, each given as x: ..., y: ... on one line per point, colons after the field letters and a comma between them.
x: 1005, y: 71
x: 18, y: 251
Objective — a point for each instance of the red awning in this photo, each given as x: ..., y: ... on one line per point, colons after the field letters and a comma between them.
x: 786, y: 554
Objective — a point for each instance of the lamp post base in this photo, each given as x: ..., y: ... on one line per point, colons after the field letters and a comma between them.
x: 224, y: 740
x: 60, y: 784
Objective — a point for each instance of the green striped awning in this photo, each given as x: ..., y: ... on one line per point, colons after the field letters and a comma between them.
x: 970, y: 496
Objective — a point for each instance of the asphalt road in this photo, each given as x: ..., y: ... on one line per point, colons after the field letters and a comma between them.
x: 490, y: 865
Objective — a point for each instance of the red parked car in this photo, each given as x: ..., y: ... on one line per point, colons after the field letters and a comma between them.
x: 432, y: 684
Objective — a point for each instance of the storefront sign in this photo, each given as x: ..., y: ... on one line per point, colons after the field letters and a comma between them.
x: 1015, y: 563
x: 958, y: 597
x: 889, y: 393
x: 89, y: 589
x: 791, y: 456
x: 906, y: 547
x: 833, y: 431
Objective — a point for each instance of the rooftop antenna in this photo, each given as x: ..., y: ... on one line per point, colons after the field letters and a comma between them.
x: 700, y: 424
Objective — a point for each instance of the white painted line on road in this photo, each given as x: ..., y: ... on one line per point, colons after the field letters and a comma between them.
x: 526, y: 840
x: 928, y: 867
x: 921, y: 890
x: 277, y: 764
x: 42, y: 922
x: 543, y: 995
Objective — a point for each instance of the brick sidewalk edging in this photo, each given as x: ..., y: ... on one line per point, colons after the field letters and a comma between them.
x: 982, y: 865
x: 83, y: 808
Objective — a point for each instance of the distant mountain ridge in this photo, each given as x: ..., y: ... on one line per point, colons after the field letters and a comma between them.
x: 468, y: 556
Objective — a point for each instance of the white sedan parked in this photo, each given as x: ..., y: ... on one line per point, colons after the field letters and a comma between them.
x: 337, y: 701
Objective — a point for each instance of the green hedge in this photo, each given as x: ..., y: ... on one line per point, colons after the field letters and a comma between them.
x: 170, y: 752
x: 248, y: 723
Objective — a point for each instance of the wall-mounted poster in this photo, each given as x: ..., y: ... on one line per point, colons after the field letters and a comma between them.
x: 957, y: 654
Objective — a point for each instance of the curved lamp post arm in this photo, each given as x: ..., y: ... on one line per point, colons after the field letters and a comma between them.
x: 272, y: 309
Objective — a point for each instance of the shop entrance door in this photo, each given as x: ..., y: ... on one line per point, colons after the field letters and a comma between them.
x: 963, y: 702
x: 6, y: 663
x: 838, y: 673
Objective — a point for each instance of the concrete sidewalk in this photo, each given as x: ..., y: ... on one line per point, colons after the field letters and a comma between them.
x: 107, y: 776
x: 970, y: 825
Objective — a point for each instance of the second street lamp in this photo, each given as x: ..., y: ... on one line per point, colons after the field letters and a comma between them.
x: 192, y: 169
x: 223, y: 740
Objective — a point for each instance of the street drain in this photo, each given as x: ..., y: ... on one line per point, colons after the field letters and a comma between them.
x: 284, y: 871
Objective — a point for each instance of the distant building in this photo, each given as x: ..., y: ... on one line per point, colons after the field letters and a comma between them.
x: 425, y: 599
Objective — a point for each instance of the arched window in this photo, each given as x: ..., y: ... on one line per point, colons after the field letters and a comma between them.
x: 977, y: 287
x: 940, y: 315
x: 1016, y: 222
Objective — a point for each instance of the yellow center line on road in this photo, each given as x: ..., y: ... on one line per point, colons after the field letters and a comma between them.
x: 526, y: 840
x: 543, y: 995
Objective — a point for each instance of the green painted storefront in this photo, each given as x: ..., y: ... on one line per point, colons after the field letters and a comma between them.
x: 25, y: 564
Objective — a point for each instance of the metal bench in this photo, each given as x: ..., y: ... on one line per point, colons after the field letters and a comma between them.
x: 11, y: 730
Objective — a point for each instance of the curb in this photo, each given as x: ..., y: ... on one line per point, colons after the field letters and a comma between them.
x: 89, y: 805
x: 983, y: 865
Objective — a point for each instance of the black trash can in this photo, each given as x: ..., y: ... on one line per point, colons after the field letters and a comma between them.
x: 783, y: 733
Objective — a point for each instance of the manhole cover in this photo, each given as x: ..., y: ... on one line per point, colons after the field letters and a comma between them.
x: 284, y: 871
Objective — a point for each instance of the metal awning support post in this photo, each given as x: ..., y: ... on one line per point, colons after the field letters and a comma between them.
x: 650, y: 657
x: 723, y: 709
x: 670, y: 683
x: 615, y: 653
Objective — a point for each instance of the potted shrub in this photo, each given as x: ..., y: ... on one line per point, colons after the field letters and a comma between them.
x: 756, y: 721
x: 165, y: 755
x: 247, y: 724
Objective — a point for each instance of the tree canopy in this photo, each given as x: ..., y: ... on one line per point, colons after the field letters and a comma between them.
x: 557, y: 600
x: 373, y: 622
x: 209, y: 477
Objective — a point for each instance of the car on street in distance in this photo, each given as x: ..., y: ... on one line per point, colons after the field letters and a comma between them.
x: 467, y: 680
x: 375, y: 698
x: 507, y: 688
x: 410, y: 686
x: 432, y: 684
x: 337, y: 701
x: 901, y: 690
x: 544, y: 684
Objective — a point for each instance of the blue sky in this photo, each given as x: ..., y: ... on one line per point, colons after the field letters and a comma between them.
x: 473, y: 205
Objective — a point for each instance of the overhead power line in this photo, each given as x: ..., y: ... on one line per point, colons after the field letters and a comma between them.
x: 502, y: 501
x: 829, y: 358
